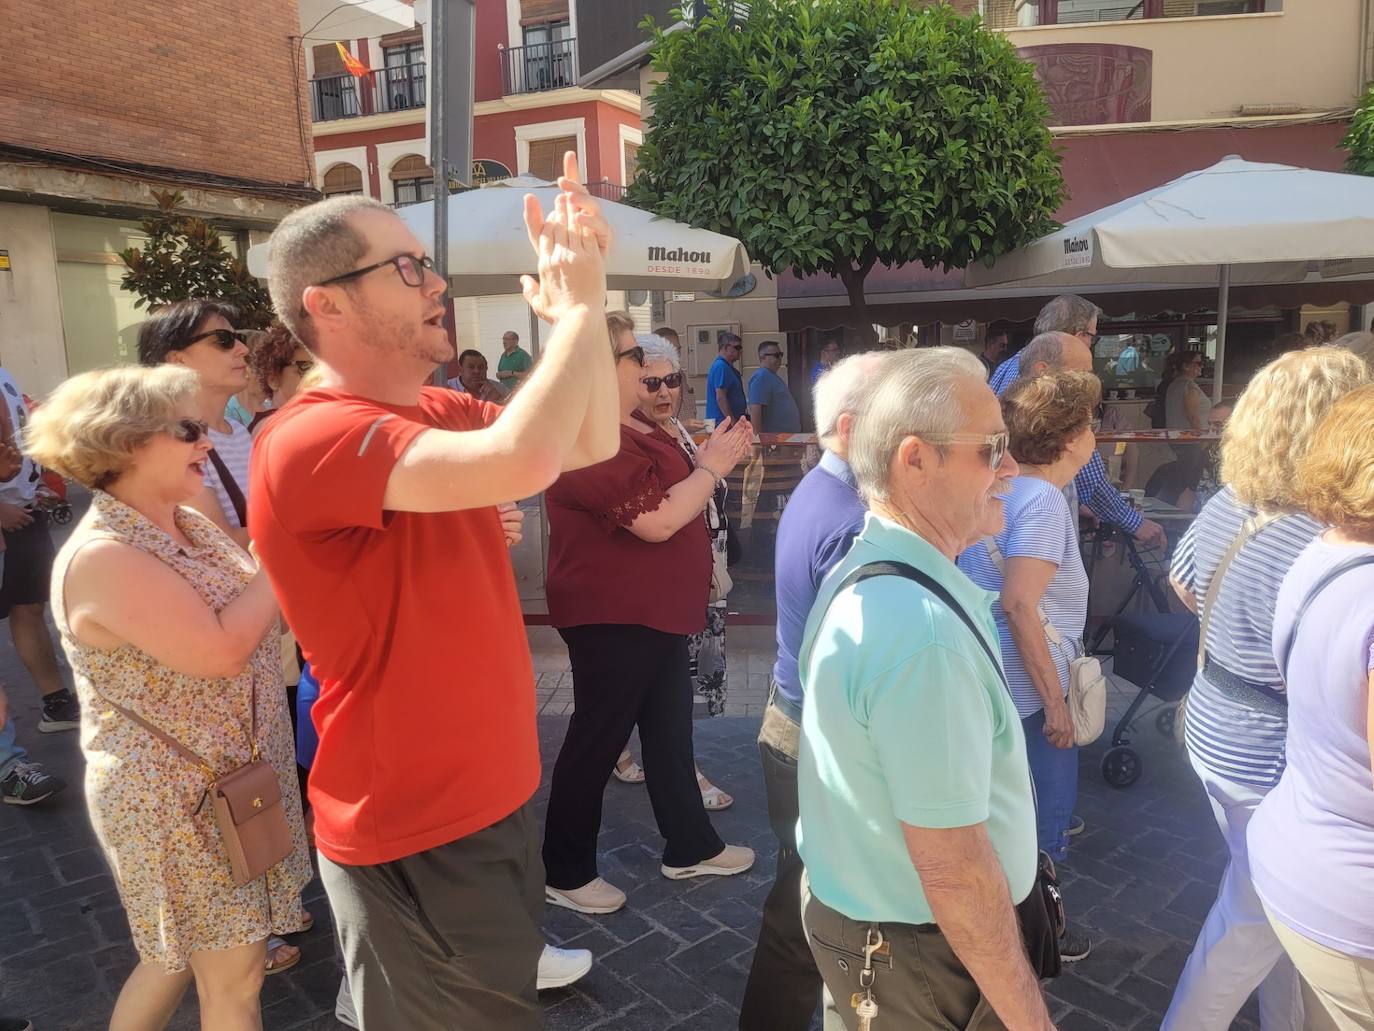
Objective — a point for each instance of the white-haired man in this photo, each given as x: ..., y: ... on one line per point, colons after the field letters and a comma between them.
x: 917, y: 822
x: 1074, y: 316
x: 374, y: 508
x: 819, y: 523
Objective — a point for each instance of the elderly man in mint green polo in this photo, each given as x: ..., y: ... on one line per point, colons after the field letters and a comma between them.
x: 917, y: 817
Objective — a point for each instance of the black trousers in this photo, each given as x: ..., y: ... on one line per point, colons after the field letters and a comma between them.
x: 625, y: 676
x: 784, y: 985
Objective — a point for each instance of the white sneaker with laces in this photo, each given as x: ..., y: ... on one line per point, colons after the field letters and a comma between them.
x: 559, y: 968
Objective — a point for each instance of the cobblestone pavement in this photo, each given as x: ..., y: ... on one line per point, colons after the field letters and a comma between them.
x: 1140, y: 878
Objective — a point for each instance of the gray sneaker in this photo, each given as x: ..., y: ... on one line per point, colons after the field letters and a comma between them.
x: 27, y: 783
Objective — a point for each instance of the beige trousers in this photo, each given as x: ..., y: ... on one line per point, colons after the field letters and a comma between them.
x: 1337, y: 989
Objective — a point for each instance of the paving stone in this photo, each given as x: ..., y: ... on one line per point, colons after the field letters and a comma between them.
x: 1141, y: 878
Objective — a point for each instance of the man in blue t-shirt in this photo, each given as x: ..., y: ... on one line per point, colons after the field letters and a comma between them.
x: 771, y: 406
x: 724, y: 385
x: 821, y: 520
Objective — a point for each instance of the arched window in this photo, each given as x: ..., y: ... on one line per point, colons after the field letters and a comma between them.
x: 413, y: 180
x: 343, y: 180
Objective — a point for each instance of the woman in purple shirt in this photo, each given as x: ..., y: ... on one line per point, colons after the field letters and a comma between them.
x: 1312, y: 839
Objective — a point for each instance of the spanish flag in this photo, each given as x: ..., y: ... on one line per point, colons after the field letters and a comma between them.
x: 355, y: 67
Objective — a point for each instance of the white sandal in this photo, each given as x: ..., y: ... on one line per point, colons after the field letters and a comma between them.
x: 626, y: 770
x: 712, y: 798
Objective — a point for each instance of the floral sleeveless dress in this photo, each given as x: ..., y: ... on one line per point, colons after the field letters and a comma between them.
x: 163, y: 846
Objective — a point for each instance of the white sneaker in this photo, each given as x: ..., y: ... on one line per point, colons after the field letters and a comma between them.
x: 596, y: 896
x: 344, y: 1012
x: 732, y: 859
x: 559, y: 968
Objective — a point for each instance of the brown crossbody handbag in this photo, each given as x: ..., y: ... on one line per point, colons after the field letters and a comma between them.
x: 247, y: 801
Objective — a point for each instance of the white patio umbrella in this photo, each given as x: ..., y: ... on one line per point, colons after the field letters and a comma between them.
x: 489, y: 250
x: 1235, y: 222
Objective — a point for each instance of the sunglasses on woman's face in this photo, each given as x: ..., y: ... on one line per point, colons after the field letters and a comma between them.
x: 227, y: 339
x: 189, y: 431
x: 672, y: 381
x: 303, y: 367
x: 636, y: 352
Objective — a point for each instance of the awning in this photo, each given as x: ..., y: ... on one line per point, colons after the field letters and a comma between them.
x: 1100, y: 170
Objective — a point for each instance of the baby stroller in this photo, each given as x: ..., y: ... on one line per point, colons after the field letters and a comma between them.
x: 1156, y: 651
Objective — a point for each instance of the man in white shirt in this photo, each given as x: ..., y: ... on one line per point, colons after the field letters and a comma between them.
x: 472, y: 379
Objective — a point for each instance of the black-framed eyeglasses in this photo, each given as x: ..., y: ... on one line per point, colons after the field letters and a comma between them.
x: 410, y: 268
x: 672, y: 381
x: 189, y: 431
x: 994, y: 443
x: 303, y: 366
x: 771, y: 354
x: 225, y: 339
x: 636, y: 352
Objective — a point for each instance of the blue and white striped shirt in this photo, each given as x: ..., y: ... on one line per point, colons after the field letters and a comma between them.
x: 1092, y: 483
x: 1224, y: 735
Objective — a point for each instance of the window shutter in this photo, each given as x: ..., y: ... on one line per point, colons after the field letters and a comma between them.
x: 546, y: 157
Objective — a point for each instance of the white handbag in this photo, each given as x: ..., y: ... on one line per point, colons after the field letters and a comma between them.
x: 1087, y: 683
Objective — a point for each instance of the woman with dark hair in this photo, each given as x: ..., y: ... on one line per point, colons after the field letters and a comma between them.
x: 629, y: 576
x: 200, y: 335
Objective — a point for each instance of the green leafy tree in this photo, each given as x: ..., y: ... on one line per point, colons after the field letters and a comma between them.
x: 830, y: 135
x: 186, y: 258
x: 1359, y: 141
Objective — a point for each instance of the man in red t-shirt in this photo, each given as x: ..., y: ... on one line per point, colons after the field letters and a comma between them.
x: 374, y: 511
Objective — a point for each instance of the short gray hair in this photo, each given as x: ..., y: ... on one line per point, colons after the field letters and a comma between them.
x: 915, y: 395
x: 1067, y: 313
x: 311, y: 245
x: 1047, y: 348
x: 842, y: 389
x: 658, y: 349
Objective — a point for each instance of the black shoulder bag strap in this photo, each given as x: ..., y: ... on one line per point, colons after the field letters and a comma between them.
x: 1331, y: 574
x: 909, y: 572
x: 231, y: 487
x: 1041, y: 913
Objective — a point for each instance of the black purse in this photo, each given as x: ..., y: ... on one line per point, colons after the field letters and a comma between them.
x: 1041, y: 913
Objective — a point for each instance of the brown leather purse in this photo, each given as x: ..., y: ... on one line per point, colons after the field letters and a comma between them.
x: 247, y: 802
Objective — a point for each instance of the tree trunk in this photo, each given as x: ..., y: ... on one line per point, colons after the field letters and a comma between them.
x: 856, y: 316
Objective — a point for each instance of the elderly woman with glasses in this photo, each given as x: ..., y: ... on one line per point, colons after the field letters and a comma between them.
x: 628, y: 582
x: 660, y: 397
x: 1035, y: 567
x: 192, y: 653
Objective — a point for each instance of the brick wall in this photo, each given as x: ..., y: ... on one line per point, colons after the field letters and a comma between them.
x: 181, y: 84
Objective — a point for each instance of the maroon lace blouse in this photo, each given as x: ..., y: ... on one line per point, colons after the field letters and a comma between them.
x: 600, y: 572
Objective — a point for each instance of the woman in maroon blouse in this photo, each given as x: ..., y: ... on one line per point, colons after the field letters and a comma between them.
x: 628, y: 579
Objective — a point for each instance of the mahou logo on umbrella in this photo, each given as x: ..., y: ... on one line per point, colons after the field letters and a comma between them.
x: 680, y: 255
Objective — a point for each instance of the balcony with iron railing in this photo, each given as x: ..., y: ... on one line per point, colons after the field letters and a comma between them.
x: 539, y: 67
x: 398, y: 88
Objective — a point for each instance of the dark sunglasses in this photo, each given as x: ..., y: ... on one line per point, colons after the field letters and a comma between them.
x: 771, y: 354
x: 672, y: 381
x: 410, y: 268
x: 303, y: 367
x: 189, y: 431
x: 636, y: 352
x: 227, y: 339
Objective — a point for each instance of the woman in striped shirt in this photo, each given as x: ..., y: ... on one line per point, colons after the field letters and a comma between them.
x: 1237, y: 715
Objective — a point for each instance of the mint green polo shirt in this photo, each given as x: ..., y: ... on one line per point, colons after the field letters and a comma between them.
x: 906, y: 721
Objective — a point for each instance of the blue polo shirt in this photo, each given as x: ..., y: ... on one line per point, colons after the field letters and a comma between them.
x: 725, y: 376
x: 780, y: 414
x: 906, y: 721
x: 822, y: 518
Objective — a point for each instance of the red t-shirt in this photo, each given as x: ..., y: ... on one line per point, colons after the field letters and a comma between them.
x: 599, y: 572
x: 411, y: 624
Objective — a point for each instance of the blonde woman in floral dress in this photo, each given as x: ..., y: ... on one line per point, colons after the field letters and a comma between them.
x: 162, y: 614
